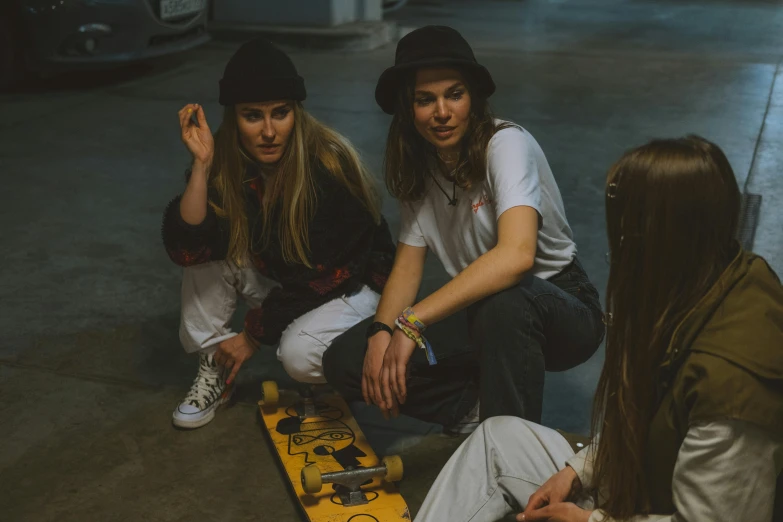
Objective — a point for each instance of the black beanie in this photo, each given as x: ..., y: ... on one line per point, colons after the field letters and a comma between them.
x: 260, y: 72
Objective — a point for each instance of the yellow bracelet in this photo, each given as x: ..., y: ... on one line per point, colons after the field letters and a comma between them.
x: 409, y: 316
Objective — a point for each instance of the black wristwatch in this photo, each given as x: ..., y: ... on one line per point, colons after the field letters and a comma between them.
x: 376, y: 327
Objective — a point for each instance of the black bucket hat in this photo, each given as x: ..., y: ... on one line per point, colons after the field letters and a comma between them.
x: 259, y: 72
x: 431, y: 46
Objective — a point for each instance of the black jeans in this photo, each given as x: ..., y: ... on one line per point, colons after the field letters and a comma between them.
x: 496, y: 350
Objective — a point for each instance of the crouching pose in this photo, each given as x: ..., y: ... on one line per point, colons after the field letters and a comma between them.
x: 278, y: 210
x: 689, y: 407
x: 477, y: 192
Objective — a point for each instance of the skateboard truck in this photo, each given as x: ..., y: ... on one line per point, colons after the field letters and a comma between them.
x: 350, y: 480
x: 306, y: 410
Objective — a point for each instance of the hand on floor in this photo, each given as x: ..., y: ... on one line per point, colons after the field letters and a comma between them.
x: 232, y: 353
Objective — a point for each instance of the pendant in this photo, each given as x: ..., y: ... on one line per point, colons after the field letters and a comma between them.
x: 453, y: 202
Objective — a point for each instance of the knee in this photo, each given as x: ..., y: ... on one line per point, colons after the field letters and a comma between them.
x: 504, y: 307
x: 299, y: 359
x: 501, y: 313
x: 504, y: 427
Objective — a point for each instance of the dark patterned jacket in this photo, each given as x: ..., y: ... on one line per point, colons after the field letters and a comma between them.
x: 347, y: 250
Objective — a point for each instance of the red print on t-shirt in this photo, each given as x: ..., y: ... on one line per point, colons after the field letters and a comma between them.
x: 483, y: 200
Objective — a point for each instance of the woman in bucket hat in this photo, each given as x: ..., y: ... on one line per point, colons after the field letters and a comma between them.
x: 278, y: 209
x: 479, y: 193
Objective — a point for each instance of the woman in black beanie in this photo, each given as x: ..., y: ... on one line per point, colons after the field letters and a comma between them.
x: 477, y: 192
x: 279, y: 210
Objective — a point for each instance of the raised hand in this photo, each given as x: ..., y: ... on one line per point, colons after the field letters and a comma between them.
x: 197, y: 138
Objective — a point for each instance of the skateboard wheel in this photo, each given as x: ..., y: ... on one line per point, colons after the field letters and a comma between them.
x: 269, y: 393
x: 311, y: 479
x: 393, y: 464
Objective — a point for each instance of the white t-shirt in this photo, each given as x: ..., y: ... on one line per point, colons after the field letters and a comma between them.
x: 517, y: 175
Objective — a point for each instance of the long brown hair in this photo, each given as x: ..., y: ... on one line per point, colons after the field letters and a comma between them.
x: 291, y: 185
x: 672, y: 208
x: 407, y: 160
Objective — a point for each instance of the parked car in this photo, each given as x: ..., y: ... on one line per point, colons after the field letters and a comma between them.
x: 56, y: 35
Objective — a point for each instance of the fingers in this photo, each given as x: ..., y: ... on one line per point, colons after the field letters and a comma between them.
x: 393, y: 381
x: 236, y: 365
x: 202, y: 119
x: 401, y: 392
x: 375, y: 386
x: 537, y: 515
x: 536, y: 500
x: 184, y: 115
x: 365, y: 389
x: 385, y: 390
x: 389, y: 402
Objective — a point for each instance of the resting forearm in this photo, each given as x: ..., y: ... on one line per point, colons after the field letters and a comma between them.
x: 400, y: 292
x: 193, y: 205
x: 492, y: 272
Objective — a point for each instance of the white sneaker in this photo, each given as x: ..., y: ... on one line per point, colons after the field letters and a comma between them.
x: 469, y: 422
x: 209, y: 391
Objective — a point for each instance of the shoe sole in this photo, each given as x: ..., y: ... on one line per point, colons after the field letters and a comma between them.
x: 206, y: 419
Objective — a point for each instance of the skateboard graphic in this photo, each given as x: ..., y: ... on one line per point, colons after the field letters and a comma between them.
x: 335, y: 475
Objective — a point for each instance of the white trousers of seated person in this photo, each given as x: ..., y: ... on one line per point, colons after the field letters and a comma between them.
x: 210, y: 292
x: 495, y: 471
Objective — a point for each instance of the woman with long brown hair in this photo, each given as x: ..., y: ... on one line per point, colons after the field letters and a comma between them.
x: 479, y: 193
x: 688, y: 415
x: 280, y: 211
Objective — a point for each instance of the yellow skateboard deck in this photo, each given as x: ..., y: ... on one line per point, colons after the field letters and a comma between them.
x: 325, y: 435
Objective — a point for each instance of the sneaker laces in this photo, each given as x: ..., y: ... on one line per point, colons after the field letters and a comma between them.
x: 207, y: 386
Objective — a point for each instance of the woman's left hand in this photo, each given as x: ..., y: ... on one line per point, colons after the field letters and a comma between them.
x: 232, y: 353
x: 560, y: 512
x: 394, y: 369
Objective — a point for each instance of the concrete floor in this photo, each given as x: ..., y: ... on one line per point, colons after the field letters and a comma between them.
x: 90, y: 364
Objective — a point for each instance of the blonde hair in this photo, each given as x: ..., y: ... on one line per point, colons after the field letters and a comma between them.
x: 310, y: 143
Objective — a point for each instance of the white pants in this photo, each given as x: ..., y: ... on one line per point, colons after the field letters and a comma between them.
x: 209, y: 299
x: 495, y: 471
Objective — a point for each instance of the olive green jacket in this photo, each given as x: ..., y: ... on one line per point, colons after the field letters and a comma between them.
x: 725, y: 361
